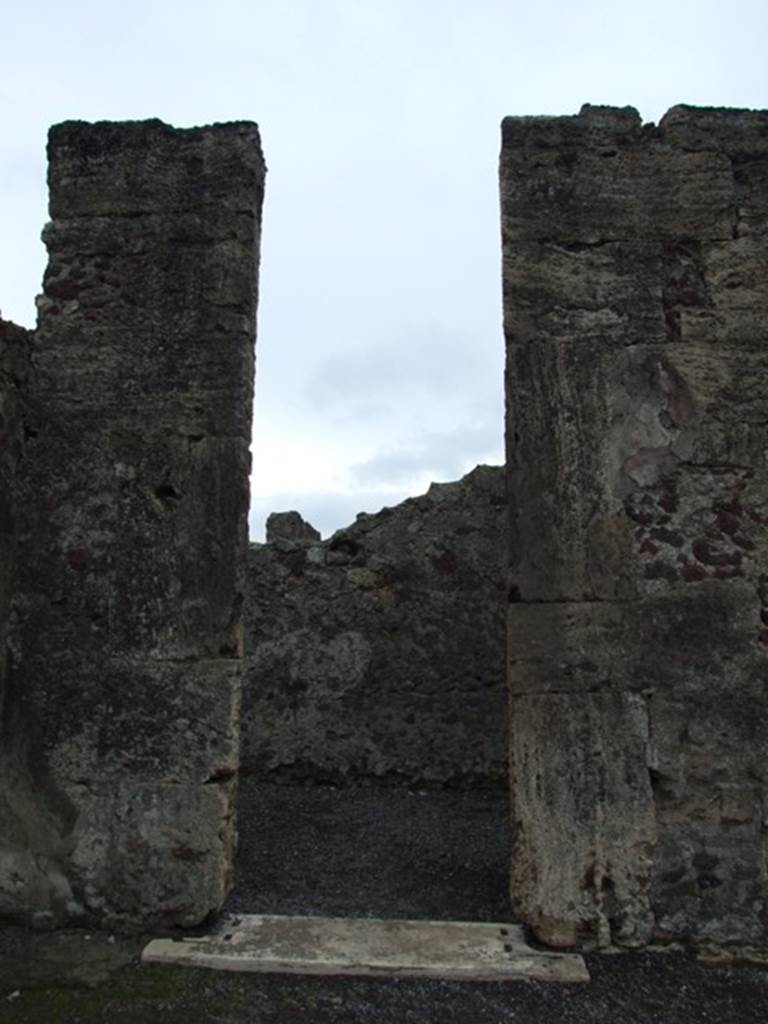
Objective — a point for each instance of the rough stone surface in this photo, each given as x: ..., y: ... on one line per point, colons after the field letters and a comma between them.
x: 380, y: 651
x: 14, y: 373
x: 635, y: 318
x: 131, y: 533
x: 585, y: 812
x: 289, y: 526
x: 28, y: 877
x: 463, y: 950
x: 635, y: 262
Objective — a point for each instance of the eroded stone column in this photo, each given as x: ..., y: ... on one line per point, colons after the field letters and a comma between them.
x: 635, y: 261
x: 15, y: 343
x: 28, y: 876
x: 134, y: 500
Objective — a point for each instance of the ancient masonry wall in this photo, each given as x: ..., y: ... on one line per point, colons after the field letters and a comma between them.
x: 14, y: 372
x: 380, y: 652
x: 131, y: 506
x: 23, y: 879
x: 636, y: 309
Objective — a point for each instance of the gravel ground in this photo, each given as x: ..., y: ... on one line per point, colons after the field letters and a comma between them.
x: 371, y: 852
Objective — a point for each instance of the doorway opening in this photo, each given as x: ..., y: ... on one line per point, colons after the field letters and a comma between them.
x: 373, y: 726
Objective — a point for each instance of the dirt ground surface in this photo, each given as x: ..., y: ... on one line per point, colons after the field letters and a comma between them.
x: 371, y: 852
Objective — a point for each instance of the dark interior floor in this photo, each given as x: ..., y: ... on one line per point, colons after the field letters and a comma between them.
x: 372, y: 852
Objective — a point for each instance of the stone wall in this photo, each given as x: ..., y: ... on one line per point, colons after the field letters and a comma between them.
x: 380, y: 652
x: 635, y: 307
x: 14, y: 372
x: 25, y: 878
x: 132, y: 499
x: 636, y: 304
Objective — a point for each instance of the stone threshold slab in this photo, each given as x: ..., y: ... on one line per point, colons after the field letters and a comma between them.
x: 368, y: 946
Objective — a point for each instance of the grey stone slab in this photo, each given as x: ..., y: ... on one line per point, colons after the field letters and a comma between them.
x: 369, y: 946
x: 599, y: 433
x: 583, y: 821
x: 576, y: 292
x: 693, y: 642
x: 576, y: 413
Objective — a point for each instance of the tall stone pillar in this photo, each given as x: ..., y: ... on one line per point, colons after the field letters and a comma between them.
x: 635, y: 261
x: 133, y: 507
x: 14, y: 370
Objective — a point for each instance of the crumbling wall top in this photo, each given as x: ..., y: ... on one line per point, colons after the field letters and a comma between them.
x: 93, y: 167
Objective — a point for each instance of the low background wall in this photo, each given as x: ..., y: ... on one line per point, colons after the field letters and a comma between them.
x: 380, y: 652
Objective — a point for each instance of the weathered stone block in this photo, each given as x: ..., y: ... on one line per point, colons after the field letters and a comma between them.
x: 743, y: 136
x: 130, y: 168
x: 583, y: 824
x: 289, y: 526
x: 602, y: 176
x: 151, y: 846
x: 565, y: 494
x: 699, y: 643
x: 197, y: 702
x: 710, y: 881
x: 736, y: 273
x: 656, y: 415
x: 608, y: 290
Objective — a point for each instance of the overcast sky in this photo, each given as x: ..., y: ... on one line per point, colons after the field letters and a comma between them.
x: 379, y: 357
